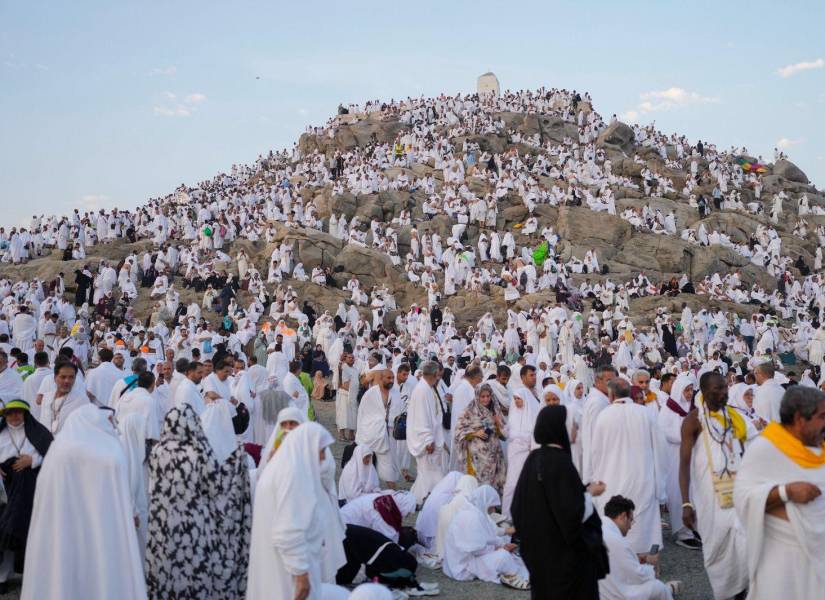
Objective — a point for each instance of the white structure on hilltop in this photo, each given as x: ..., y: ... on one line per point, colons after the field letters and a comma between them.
x: 488, y: 84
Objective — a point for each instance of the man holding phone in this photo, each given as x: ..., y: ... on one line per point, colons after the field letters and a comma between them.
x: 631, y: 575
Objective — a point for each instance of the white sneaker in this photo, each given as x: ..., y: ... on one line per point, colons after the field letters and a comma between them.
x: 428, y: 585
x: 414, y: 592
x: 429, y: 560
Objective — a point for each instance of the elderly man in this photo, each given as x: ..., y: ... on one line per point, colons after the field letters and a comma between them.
x: 426, y: 436
x: 778, y: 497
x: 596, y: 402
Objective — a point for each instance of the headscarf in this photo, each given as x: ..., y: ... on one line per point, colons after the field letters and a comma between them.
x: 357, y: 478
x: 569, y: 393
x: 290, y: 413
x: 555, y: 390
x: 477, y: 416
x: 217, y: 426
x: 551, y: 427
x: 297, y: 469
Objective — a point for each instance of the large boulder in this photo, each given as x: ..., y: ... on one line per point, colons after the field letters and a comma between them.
x: 311, y: 247
x: 582, y: 224
x: 788, y: 170
x: 617, y: 134
x: 654, y: 254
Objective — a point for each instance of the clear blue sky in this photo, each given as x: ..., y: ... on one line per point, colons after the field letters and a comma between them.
x: 110, y: 103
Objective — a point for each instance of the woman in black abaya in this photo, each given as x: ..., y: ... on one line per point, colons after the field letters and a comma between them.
x: 559, y: 531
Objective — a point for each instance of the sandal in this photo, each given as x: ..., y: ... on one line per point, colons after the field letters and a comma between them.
x: 514, y: 582
x: 675, y: 587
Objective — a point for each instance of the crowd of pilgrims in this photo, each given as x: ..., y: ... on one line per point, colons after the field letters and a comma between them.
x: 189, y: 439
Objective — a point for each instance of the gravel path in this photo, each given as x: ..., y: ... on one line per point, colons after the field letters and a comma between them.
x: 676, y: 562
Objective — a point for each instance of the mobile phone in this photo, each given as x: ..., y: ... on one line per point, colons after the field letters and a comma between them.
x: 654, y: 549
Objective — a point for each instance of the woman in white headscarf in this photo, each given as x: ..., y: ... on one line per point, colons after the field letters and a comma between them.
x: 359, y: 476
x: 83, y: 493
x: 475, y: 548
x: 288, y: 531
x: 288, y: 419
x: 740, y: 397
x: 574, y: 397
x: 553, y: 395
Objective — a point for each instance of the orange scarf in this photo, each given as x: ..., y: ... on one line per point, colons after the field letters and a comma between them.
x: 792, y: 447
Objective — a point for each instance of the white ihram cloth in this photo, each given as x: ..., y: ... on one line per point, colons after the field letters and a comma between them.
x: 83, y: 493
x: 767, y: 399
x: 288, y: 525
x: 373, y: 432
x: 54, y: 412
x: 624, y: 456
x: 400, y: 402
x: 424, y: 427
x: 628, y: 578
x: 11, y: 385
x: 187, y: 393
x: 132, y: 428
x: 595, y: 403
x: 101, y: 380
x: 723, y: 537
x: 520, y: 424
x: 346, y: 401
x: 670, y: 424
x: 217, y: 426
x: 141, y: 402
x: 786, y: 559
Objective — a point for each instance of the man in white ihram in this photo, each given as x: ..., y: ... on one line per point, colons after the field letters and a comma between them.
x: 625, y: 456
x: 778, y: 497
x: 373, y: 430
x: 426, y: 438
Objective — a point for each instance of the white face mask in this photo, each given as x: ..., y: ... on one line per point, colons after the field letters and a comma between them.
x: 328, y: 471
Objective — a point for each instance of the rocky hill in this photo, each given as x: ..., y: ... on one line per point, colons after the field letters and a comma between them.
x: 625, y: 249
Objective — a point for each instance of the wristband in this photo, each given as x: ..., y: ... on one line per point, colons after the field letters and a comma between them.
x: 687, y: 505
x: 783, y: 493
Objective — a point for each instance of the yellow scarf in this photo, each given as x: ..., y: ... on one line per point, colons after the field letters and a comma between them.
x: 650, y: 397
x: 737, y: 421
x: 792, y: 447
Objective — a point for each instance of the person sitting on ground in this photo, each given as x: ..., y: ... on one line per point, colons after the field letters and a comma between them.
x: 631, y: 575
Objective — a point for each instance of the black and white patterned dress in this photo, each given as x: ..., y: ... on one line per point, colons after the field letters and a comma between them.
x: 199, y: 516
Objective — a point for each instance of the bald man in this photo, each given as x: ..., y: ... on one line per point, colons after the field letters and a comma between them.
x: 372, y: 426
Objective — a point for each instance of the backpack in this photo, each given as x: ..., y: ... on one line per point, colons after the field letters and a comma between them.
x: 399, y: 427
